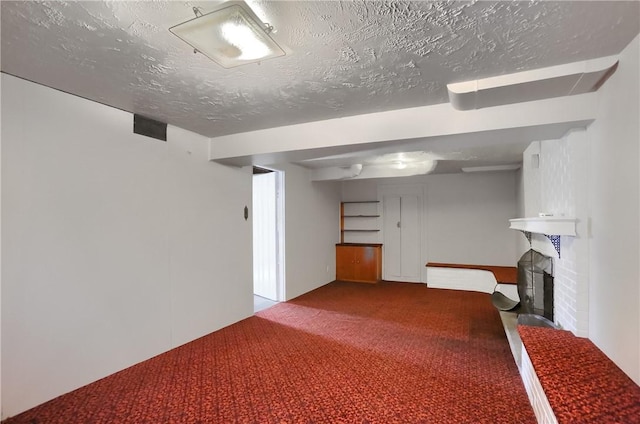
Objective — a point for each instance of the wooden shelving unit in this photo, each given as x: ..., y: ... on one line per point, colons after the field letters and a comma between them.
x: 356, y: 261
x: 357, y: 216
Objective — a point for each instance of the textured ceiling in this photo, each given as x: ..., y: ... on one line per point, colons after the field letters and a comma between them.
x: 344, y: 58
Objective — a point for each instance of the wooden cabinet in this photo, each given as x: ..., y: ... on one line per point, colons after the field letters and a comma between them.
x: 359, y: 262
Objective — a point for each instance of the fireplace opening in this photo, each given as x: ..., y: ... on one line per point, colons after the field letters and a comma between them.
x: 535, y: 289
x: 535, y: 284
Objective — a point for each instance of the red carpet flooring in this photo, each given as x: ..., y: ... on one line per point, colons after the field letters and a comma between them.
x: 345, y: 353
x: 580, y: 382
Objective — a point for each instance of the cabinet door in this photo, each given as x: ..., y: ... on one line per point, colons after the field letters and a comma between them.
x: 367, y: 264
x: 359, y: 263
x: 345, y: 263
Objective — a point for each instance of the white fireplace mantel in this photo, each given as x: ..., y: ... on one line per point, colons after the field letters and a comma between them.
x: 551, y: 226
x: 548, y: 225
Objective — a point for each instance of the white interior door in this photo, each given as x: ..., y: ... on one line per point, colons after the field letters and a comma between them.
x: 265, y: 264
x: 402, y: 230
x: 410, y: 236
x: 392, y: 263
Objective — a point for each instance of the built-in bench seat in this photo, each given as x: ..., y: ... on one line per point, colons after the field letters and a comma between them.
x: 503, y: 274
x: 579, y: 382
x: 481, y: 278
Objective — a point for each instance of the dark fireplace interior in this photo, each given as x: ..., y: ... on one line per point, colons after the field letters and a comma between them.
x: 535, y: 284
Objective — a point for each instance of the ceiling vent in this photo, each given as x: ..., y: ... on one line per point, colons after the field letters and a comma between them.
x: 149, y: 127
x: 538, y: 84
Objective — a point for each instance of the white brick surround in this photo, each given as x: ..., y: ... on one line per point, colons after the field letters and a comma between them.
x: 559, y: 186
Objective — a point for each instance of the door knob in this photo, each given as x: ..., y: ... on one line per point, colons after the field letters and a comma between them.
x: 398, y: 224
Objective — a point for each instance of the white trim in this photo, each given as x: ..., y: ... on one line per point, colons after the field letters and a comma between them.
x: 281, y: 277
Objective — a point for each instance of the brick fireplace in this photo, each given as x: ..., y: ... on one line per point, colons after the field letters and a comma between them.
x: 555, y: 182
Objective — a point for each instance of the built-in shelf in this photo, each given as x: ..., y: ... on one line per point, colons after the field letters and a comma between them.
x: 551, y: 226
x: 363, y: 201
x: 361, y: 216
x: 362, y: 219
x: 360, y: 231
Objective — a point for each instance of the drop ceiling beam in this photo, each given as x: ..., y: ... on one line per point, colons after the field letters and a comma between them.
x: 334, y: 136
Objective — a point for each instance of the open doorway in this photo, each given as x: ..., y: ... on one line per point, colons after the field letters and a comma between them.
x: 268, y: 237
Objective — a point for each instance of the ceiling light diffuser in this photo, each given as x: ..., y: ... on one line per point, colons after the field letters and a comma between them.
x: 230, y: 36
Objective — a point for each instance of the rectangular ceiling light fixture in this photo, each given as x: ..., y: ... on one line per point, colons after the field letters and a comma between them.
x: 230, y: 36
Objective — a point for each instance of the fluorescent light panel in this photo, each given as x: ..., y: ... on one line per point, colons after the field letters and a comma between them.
x: 230, y: 36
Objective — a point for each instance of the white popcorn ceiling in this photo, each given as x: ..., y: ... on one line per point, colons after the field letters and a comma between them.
x: 344, y: 58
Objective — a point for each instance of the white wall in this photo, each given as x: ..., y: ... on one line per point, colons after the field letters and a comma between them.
x: 614, y: 203
x: 468, y: 218
x: 311, y: 230
x: 210, y: 244
x: 116, y: 247
x: 465, y: 216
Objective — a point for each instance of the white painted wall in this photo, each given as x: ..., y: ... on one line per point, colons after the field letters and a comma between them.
x: 468, y: 218
x: 210, y: 244
x: 465, y: 216
x: 311, y: 230
x: 116, y: 247
x: 614, y: 203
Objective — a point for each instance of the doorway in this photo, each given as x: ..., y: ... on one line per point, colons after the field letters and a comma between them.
x: 268, y: 236
x: 402, y: 230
